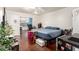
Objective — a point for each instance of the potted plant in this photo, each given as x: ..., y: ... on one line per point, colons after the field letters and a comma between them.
x: 5, y: 41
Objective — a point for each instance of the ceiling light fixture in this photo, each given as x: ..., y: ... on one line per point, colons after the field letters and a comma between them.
x: 35, y: 12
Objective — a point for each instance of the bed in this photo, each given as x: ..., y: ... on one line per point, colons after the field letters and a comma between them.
x: 48, y: 33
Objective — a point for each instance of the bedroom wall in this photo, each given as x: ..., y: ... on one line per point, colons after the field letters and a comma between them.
x: 61, y: 18
x: 76, y: 21
x: 1, y: 13
x: 12, y: 16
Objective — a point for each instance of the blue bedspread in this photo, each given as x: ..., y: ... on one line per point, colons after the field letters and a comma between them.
x: 48, y: 33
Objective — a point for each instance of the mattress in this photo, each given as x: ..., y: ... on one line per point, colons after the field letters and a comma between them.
x: 48, y: 34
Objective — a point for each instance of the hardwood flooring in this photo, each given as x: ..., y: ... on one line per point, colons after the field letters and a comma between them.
x: 25, y: 46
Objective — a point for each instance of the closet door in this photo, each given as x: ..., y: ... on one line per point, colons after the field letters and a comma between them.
x: 76, y: 20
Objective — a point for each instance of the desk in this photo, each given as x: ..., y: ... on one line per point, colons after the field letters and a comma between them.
x: 62, y: 41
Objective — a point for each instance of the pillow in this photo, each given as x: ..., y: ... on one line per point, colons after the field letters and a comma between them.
x: 49, y: 27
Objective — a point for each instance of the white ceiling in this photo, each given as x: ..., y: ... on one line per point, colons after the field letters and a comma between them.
x: 41, y: 10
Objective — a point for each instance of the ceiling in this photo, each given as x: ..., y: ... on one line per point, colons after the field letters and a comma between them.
x: 40, y: 10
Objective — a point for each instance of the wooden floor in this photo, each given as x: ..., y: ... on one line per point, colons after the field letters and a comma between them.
x: 25, y: 46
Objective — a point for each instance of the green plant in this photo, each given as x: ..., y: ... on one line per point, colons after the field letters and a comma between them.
x: 5, y: 42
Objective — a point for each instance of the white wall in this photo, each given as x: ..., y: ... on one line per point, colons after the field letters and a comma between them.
x: 76, y: 20
x: 12, y: 16
x: 1, y: 14
x: 61, y: 18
